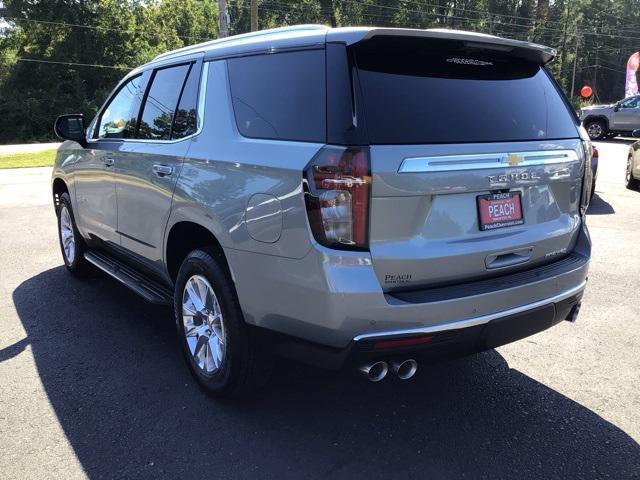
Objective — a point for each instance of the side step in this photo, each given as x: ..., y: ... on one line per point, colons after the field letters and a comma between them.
x: 147, y: 288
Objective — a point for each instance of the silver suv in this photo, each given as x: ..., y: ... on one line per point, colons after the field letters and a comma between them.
x: 620, y: 118
x: 358, y: 197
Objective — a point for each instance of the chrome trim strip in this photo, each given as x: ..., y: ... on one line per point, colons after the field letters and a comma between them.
x: 471, y: 322
x: 479, y: 161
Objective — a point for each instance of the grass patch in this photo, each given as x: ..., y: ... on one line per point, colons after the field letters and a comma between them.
x: 43, y: 158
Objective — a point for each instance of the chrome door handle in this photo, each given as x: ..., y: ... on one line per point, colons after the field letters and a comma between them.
x: 108, y: 161
x: 162, y: 170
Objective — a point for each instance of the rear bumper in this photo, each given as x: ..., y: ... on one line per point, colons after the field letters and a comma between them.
x: 432, y: 343
x: 333, y: 300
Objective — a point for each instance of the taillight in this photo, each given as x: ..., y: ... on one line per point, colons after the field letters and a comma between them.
x: 338, y: 185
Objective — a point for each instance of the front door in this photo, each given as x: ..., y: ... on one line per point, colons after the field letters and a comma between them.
x: 94, y: 173
x: 627, y: 118
x: 148, y: 166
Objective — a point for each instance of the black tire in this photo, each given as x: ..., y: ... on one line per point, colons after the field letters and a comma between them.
x: 75, y: 263
x: 593, y: 188
x: 631, y: 182
x: 244, y: 366
x: 596, y: 128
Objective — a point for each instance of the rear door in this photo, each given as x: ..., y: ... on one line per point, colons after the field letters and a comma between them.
x: 147, y: 167
x: 476, y: 161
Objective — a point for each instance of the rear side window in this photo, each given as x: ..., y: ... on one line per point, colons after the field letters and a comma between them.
x: 185, y: 122
x: 280, y: 96
x: 432, y: 91
x: 161, y: 103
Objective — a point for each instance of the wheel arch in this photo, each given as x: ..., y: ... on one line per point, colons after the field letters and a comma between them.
x: 591, y: 118
x: 185, y: 236
x: 58, y: 187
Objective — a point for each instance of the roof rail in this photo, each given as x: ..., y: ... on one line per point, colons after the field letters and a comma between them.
x: 218, y: 41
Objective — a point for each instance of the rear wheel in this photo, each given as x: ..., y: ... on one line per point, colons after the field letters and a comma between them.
x: 597, y: 129
x: 71, y: 243
x: 631, y: 182
x: 211, y: 328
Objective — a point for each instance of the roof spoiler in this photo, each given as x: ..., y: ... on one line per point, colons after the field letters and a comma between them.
x: 529, y: 51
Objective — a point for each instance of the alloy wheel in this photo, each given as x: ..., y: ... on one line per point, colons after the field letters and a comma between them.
x: 594, y: 130
x: 66, y: 235
x: 203, y: 324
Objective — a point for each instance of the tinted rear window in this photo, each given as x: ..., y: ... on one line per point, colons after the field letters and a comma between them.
x: 280, y: 96
x: 160, y: 103
x: 418, y: 91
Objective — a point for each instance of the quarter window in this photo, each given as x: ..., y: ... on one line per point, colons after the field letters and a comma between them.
x: 280, y: 96
x: 118, y: 120
x: 161, y: 102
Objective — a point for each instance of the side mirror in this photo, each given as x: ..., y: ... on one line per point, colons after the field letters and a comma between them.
x: 616, y: 107
x: 636, y: 133
x: 71, y: 127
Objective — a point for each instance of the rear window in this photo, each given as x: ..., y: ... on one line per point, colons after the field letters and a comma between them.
x: 280, y: 96
x: 433, y: 91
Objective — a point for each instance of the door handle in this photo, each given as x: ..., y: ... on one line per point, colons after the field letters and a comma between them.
x: 509, y: 258
x: 108, y: 161
x: 162, y: 170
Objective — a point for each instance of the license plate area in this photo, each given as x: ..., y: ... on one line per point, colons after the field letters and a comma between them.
x: 499, y: 210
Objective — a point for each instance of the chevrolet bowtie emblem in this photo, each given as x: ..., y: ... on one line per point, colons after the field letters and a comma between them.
x: 513, y: 159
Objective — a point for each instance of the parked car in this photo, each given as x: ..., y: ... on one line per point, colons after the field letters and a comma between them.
x: 351, y: 197
x: 632, y: 175
x: 620, y: 118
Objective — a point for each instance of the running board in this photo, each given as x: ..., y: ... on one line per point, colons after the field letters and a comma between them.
x: 147, y: 288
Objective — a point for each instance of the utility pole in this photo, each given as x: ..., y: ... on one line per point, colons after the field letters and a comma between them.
x: 223, y: 18
x: 563, y: 52
x: 575, y: 61
x: 254, y: 15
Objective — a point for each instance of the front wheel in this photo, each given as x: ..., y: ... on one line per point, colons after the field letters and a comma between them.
x: 211, y: 328
x: 596, y: 129
x: 71, y: 242
x: 631, y: 182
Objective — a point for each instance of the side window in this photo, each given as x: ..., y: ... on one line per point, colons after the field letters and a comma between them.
x: 186, y: 122
x: 280, y: 96
x: 160, y: 103
x: 118, y: 120
x: 632, y: 102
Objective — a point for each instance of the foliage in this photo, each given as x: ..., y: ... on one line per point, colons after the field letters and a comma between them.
x: 121, y: 34
x: 42, y: 158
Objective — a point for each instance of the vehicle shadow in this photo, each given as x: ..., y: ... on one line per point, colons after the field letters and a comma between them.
x: 116, y: 381
x: 599, y: 206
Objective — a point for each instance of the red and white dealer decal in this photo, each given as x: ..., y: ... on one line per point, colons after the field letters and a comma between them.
x: 497, y: 210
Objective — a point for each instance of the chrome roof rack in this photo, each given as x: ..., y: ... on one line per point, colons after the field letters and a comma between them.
x: 220, y: 41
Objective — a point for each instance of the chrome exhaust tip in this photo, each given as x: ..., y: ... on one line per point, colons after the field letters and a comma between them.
x: 375, y: 371
x: 406, y: 369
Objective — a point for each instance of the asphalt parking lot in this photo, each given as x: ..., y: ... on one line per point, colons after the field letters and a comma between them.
x: 92, y: 383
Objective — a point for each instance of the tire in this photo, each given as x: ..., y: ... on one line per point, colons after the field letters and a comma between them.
x: 214, y: 339
x: 631, y: 182
x: 72, y: 244
x: 593, y: 189
x: 596, y: 129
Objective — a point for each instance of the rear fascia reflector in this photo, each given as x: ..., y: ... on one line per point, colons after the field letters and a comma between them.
x: 402, y: 342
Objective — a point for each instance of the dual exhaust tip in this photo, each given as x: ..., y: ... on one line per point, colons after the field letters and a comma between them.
x: 377, y: 371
